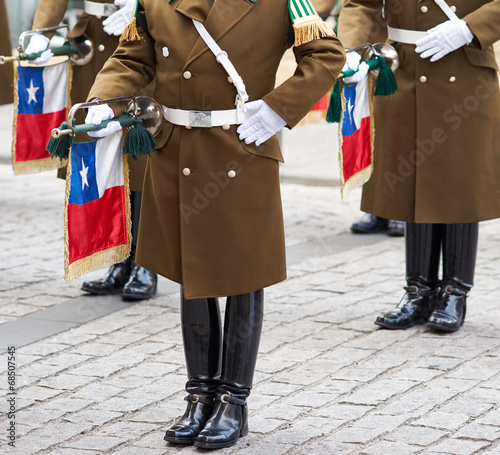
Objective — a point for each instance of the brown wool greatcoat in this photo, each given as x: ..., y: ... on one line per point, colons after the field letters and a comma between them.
x: 6, y: 71
x: 50, y: 14
x: 437, y: 139
x: 216, y: 235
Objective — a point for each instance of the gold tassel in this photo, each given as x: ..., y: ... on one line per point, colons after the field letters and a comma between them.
x: 309, y: 28
x: 130, y: 33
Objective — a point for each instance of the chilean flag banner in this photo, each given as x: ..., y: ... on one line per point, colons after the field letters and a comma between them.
x: 356, y: 132
x: 97, y: 207
x: 41, y: 99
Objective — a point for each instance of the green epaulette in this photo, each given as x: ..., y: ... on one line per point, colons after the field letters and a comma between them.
x: 307, y: 25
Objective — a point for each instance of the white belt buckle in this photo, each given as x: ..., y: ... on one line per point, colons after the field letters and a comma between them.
x: 109, y: 9
x: 200, y: 119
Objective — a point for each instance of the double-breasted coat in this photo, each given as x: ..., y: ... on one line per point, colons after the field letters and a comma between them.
x: 50, y: 13
x: 437, y: 139
x: 211, y: 217
x: 6, y: 73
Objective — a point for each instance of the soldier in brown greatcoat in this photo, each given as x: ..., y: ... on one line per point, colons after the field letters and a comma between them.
x: 437, y: 152
x: 212, y: 216
x: 6, y: 76
x: 103, y: 23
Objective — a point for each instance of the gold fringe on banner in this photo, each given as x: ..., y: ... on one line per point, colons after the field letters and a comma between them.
x: 99, y: 259
x: 364, y: 175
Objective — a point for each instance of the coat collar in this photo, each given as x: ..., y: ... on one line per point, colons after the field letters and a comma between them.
x: 218, y: 20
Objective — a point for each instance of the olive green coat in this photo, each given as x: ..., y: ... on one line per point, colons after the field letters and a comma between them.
x: 49, y: 14
x: 6, y: 71
x: 216, y: 235
x: 437, y: 139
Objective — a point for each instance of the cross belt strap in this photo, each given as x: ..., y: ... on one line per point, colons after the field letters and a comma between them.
x: 404, y: 36
x: 99, y: 9
x: 222, y: 57
x: 205, y: 119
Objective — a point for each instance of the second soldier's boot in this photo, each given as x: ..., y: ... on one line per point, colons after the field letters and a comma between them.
x: 459, y: 262
x: 141, y: 283
x: 242, y: 329
x: 201, y: 333
x: 423, y: 244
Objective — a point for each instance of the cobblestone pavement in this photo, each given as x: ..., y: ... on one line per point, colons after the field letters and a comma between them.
x: 327, y: 380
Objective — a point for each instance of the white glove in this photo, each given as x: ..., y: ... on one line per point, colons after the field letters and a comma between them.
x: 39, y: 43
x: 262, y: 125
x: 359, y: 75
x: 352, y: 61
x: 443, y: 39
x: 116, y: 23
x: 96, y: 115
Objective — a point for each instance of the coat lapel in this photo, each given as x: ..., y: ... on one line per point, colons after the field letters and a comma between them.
x: 218, y: 20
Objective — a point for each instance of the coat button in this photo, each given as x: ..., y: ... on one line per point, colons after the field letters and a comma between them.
x: 424, y: 9
x: 452, y: 79
x: 165, y: 52
x: 101, y: 47
x: 186, y: 171
x: 225, y: 127
x: 186, y: 75
x: 188, y: 127
x: 230, y: 79
x: 231, y: 174
x: 453, y: 8
x: 423, y: 79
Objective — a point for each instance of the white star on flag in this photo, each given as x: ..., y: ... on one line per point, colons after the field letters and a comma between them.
x: 83, y: 173
x: 32, y: 92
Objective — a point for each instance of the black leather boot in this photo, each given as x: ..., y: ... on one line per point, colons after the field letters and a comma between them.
x: 459, y: 262
x: 142, y: 283
x: 242, y: 329
x: 423, y: 244
x: 370, y: 224
x: 112, y: 282
x: 201, y: 333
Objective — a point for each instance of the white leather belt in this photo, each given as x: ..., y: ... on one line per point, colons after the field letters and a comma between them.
x: 404, y: 36
x: 204, y: 119
x: 99, y: 9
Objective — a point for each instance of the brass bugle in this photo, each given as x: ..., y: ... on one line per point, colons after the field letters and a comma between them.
x: 384, y: 50
x: 125, y: 121
x: 80, y: 50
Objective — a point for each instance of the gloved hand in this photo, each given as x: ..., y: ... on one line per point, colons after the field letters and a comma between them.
x: 96, y: 115
x: 443, y: 39
x: 39, y: 43
x: 116, y: 23
x: 262, y: 125
x: 352, y: 63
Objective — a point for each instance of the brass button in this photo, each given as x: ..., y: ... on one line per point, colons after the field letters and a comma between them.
x: 101, y: 47
x: 186, y: 171
x: 225, y: 127
x: 452, y: 79
x: 424, y: 9
x: 423, y: 79
x: 186, y: 75
x: 231, y: 174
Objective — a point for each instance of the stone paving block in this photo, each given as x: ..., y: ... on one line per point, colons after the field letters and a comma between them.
x: 419, y: 375
x: 355, y: 434
x: 94, y: 349
x: 138, y: 451
x: 264, y: 426
x: 468, y: 407
x: 342, y: 412
x: 92, y: 417
x: 275, y: 388
x: 378, y: 391
x: 38, y: 393
x: 68, y: 404
x: 483, y: 394
x: 282, y: 411
x: 389, y: 423
x: 442, y: 420
x: 324, y: 447
x: 292, y: 435
x: 261, y: 448
x: 159, y: 414
x: 104, y: 443
x: 390, y: 448
x: 67, y: 451
x: 97, y: 390
x: 56, y: 432
x: 273, y: 366
x: 149, y: 369
x: 37, y: 416
x: 415, y: 435
x: 459, y: 446
x: 132, y: 430
x: 477, y: 431
x: 490, y: 418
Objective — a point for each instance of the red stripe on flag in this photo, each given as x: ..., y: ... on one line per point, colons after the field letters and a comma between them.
x: 33, y: 134
x: 97, y: 225
x: 356, y: 150
x: 322, y: 104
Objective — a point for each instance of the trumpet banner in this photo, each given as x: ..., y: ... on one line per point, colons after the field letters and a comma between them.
x: 356, y: 135
x: 97, y: 224
x: 40, y: 104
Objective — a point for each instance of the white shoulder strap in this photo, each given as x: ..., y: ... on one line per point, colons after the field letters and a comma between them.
x: 222, y: 57
x: 446, y: 9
